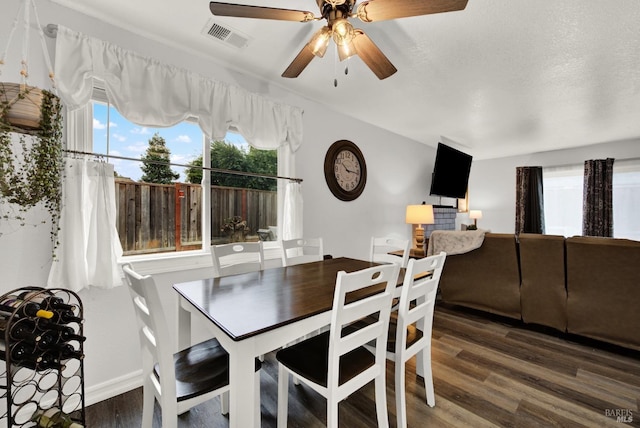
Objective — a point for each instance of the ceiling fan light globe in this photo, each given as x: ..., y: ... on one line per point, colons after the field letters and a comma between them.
x: 320, y: 41
x: 346, y: 50
x: 343, y: 32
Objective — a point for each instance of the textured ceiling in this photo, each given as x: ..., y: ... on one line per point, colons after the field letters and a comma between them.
x: 500, y: 78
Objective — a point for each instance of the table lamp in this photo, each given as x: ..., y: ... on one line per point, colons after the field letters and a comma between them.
x: 419, y: 215
x: 475, y: 215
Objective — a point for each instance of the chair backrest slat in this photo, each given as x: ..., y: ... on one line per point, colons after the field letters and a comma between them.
x: 423, y: 291
x: 237, y: 257
x: 346, y: 312
x: 301, y: 250
x: 381, y: 247
x: 152, y: 327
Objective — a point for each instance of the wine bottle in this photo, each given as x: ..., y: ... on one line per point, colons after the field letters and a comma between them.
x: 48, y: 339
x: 65, y: 316
x: 46, y: 301
x: 50, y: 360
x: 12, y: 304
x: 21, y: 353
x: 21, y: 329
x: 53, y: 418
x: 66, y: 332
x: 67, y: 352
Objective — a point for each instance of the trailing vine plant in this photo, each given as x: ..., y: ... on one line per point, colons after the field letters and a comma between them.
x: 31, y: 162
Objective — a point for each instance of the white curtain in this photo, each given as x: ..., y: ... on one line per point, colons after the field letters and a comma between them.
x: 89, y: 245
x: 148, y: 93
x: 292, y: 222
x: 151, y: 93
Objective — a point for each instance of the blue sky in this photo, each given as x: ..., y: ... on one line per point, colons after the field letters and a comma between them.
x: 129, y: 140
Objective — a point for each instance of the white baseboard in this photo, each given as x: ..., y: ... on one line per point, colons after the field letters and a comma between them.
x: 113, y: 387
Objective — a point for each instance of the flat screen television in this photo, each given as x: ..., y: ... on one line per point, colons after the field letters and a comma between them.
x: 450, y: 172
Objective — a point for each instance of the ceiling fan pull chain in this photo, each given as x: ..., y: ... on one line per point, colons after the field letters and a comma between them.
x: 335, y: 66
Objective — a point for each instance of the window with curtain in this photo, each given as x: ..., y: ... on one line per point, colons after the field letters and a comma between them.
x: 160, y: 207
x: 626, y: 198
x: 563, y: 188
x: 151, y: 93
x: 563, y: 196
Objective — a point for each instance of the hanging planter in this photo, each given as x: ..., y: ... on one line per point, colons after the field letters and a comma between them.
x: 20, y: 106
x: 31, y: 161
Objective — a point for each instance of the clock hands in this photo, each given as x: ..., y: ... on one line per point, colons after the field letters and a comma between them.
x: 347, y: 169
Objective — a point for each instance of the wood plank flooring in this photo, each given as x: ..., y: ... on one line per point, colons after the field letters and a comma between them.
x: 488, y: 372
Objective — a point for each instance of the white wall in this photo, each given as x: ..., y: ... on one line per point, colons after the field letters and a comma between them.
x: 492, y: 183
x: 398, y: 174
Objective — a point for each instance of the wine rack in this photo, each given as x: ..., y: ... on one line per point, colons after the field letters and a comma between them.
x: 43, y: 355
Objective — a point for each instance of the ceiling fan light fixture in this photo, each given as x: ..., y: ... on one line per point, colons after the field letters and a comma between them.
x: 349, y: 41
x: 346, y: 50
x: 343, y: 31
x: 320, y: 41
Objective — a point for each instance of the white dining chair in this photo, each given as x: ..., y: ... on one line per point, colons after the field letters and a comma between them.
x: 178, y: 380
x: 410, y: 332
x: 237, y: 257
x: 335, y: 363
x: 381, y: 247
x: 301, y: 250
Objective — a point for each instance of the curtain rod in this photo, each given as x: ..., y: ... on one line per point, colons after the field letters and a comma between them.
x: 581, y: 163
x: 220, y: 170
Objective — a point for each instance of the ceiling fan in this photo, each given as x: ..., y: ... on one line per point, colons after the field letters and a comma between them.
x: 350, y: 41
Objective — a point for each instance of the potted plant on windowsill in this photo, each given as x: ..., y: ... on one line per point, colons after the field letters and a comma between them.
x: 236, y: 229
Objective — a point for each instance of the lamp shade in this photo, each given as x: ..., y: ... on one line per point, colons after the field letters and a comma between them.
x: 475, y: 214
x: 419, y: 214
x: 319, y: 41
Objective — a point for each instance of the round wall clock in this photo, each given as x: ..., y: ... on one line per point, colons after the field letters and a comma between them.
x: 345, y: 170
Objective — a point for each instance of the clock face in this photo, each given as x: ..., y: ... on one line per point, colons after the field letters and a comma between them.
x: 345, y: 170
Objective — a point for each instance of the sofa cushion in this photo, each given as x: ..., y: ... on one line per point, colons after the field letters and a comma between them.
x: 543, y: 293
x: 486, y: 278
x: 603, y: 289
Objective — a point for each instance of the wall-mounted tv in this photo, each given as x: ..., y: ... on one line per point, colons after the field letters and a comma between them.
x: 450, y: 172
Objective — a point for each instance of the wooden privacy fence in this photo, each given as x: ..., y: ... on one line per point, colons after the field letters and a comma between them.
x: 155, y: 218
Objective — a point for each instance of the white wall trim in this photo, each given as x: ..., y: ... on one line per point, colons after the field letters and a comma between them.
x: 113, y: 387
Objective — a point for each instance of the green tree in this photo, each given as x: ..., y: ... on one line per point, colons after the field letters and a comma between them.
x: 262, y: 162
x: 194, y: 172
x: 225, y: 155
x: 154, y: 172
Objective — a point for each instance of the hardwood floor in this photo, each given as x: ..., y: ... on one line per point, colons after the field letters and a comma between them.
x: 488, y: 372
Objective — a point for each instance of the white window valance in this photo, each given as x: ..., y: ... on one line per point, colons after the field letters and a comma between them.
x: 150, y: 93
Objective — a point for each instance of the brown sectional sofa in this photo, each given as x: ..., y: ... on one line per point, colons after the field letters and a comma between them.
x: 543, y: 292
x: 581, y: 285
x: 603, y: 287
x: 486, y: 278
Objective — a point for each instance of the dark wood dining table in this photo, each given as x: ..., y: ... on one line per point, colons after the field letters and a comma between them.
x: 255, y: 313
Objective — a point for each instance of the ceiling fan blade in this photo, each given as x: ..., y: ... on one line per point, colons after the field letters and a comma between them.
x: 299, y: 62
x: 259, y: 12
x: 372, y: 55
x: 382, y: 10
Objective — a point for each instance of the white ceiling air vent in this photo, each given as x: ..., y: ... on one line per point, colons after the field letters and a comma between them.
x: 226, y: 34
